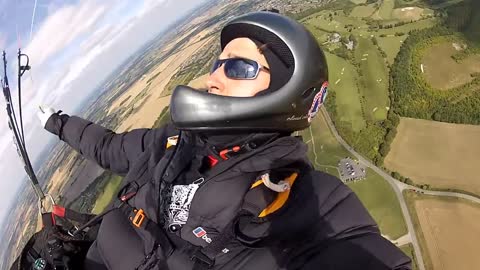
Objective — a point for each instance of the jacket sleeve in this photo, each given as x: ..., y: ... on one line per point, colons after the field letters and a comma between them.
x: 370, y: 251
x: 343, y: 235
x: 111, y: 151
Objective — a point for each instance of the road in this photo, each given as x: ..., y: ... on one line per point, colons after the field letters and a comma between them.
x: 391, y: 180
x: 403, y: 186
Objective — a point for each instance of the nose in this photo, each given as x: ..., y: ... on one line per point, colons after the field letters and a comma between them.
x: 216, y: 81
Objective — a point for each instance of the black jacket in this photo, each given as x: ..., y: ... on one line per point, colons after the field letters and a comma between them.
x: 320, y: 225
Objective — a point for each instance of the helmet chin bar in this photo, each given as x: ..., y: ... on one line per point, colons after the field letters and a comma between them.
x: 191, y: 109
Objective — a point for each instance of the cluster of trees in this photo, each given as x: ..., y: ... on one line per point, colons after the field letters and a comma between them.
x: 342, y: 51
x: 436, y: 2
x: 464, y: 54
x: 389, y: 26
x: 349, y: 27
x: 464, y: 17
x: 163, y: 118
x: 377, y: 25
x: 402, y: 178
x: 413, y: 97
x: 382, y: 52
x: 366, y: 141
x: 390, y: 126
x: 87, y: 199
x: 344, y: 5
x: 459, y: 16
x: 330, y: 105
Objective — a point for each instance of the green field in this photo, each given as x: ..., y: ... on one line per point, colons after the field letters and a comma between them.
x: 379, y: 198
x: 323, y: 150
x: 108, y: 194
x: 411, y: 13
x: 363, y: 11
x: 358, y: 1
x: 375, y: 193
x: 347, y: 20
x: 442, y: 72
x: 318, y: 33
x: 343, y: 80
x: 337, y: 24
x: 385, y: 10
x: 405, y: 3
x: 391, y: 46
x: 374, y: 80
x: 408, y: 249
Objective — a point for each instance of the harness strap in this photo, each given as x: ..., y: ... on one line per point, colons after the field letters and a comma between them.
x: 204, y: 258
x: 70, y: 214
x: 141, y: 221
x: 259, y: 202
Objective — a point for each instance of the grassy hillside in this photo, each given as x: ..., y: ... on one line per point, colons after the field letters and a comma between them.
x: 344, y: 82
x: 375, y: 193
x: 378, y: 197
x: 374, y: 80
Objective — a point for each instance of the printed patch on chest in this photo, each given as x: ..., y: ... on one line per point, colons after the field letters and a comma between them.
x: 181, y: 198
x: 201, y: 233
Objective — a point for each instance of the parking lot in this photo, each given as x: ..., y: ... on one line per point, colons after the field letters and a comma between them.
x: 351, y: 170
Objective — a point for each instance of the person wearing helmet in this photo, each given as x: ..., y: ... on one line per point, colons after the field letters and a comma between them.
x: 225, y: 185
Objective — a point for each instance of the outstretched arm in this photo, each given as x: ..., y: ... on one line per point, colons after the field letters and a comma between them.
x: 112, y: 151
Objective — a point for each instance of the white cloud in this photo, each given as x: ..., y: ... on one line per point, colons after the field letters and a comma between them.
x: 61, y: 28
x: 72, y: 50
x: 149, y: 5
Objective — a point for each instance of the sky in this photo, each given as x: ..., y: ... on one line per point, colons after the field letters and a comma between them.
x: 73, y: 46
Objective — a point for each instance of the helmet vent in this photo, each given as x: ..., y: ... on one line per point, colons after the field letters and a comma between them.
x: 307, y: 93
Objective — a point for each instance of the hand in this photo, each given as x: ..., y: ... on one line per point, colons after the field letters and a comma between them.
x: 44, y: 114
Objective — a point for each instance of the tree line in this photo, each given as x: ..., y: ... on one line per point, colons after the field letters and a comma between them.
x: 370, y: 140
x: 413, y: 97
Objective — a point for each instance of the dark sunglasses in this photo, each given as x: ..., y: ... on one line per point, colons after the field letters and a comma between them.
x: 239, y: 68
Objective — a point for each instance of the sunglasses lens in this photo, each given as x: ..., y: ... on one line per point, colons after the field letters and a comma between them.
x: 241, y: 69
x: 216, y: 65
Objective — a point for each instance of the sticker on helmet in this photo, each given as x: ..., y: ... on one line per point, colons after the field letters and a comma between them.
x: 318, y: 100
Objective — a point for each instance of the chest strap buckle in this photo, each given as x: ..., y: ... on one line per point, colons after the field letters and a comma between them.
x: 139, y: 217
x: 201, y: 260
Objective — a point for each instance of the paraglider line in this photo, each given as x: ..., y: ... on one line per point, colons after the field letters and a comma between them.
x: 33, y: 19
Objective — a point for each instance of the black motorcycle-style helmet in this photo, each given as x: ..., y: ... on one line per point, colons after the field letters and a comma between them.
x: 288, y: 108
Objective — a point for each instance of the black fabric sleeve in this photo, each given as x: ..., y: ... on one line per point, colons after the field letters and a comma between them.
x: 370, y: 251
x: 341, y: 234
x: 111, y: 151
